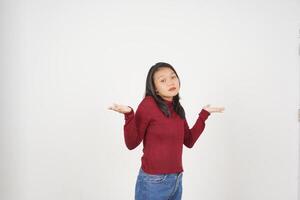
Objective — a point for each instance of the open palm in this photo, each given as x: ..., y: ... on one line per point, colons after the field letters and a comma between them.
x: 213, y: 109
x: 120, y: 108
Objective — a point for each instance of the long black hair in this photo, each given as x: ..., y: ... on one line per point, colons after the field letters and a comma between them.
x: 150, y: 91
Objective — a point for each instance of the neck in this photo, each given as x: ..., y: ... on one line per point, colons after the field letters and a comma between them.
x: 167, y: 98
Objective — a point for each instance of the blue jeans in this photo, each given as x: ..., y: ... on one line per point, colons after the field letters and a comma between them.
x: 158, y: 186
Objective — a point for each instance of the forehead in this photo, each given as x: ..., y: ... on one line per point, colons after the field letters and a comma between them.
x: 163, y: 72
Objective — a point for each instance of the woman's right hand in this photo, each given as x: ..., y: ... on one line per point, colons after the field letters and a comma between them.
x: 120, y: 108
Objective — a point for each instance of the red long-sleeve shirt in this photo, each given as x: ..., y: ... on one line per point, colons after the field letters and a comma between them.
x: 162, y: 137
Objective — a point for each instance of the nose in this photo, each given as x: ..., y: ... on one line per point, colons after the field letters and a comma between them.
x: 171, y: 83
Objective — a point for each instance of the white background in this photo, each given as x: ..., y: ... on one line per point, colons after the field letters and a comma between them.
x: 64, y: 62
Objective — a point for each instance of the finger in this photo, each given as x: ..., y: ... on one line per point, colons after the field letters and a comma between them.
x: 215, y: 109
x: 114, y: 107
x: 111, y: 107
x: 117, y: 106
x: 207, y: 106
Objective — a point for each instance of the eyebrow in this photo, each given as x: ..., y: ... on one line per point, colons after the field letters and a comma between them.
x: 163, y: 75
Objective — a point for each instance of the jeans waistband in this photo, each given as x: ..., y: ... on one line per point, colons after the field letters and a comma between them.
x: 174, y: 174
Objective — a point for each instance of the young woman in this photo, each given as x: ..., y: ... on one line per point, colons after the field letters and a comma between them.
x: 160, y: 123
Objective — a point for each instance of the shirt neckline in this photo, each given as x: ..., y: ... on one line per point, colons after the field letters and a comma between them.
x: 168, y: 102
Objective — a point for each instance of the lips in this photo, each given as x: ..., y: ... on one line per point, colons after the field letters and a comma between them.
x: 172, y: 88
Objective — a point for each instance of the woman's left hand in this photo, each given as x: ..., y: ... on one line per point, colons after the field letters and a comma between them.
x: 213, y: 109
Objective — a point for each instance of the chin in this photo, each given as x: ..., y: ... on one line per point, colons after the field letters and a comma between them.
x: 174, y: 94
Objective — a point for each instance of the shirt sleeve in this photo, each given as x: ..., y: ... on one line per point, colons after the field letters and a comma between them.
x: 135, y: 125
x: 191, y: 135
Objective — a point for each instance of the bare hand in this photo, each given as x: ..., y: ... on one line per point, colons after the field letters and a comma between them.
x: 120, y: 108
x: 213, y: 109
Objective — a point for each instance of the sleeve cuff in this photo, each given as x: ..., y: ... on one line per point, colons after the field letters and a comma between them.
x: 129, y: 114
x: 204, y: 114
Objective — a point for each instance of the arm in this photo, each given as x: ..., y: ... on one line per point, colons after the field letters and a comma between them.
x: 135, y: 126
x: 191, y: 135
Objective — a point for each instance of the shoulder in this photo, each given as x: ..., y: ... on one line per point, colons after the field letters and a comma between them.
x: 146, y: 107
x: 147, y: 102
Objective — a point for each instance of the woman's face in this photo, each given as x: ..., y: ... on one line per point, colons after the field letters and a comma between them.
x: 164, y: 80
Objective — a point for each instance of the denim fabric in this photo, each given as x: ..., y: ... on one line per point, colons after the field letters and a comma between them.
x: 158, y: 186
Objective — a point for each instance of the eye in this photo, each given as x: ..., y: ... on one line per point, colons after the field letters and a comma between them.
x: 163, y: 80
x: 174, y: 77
